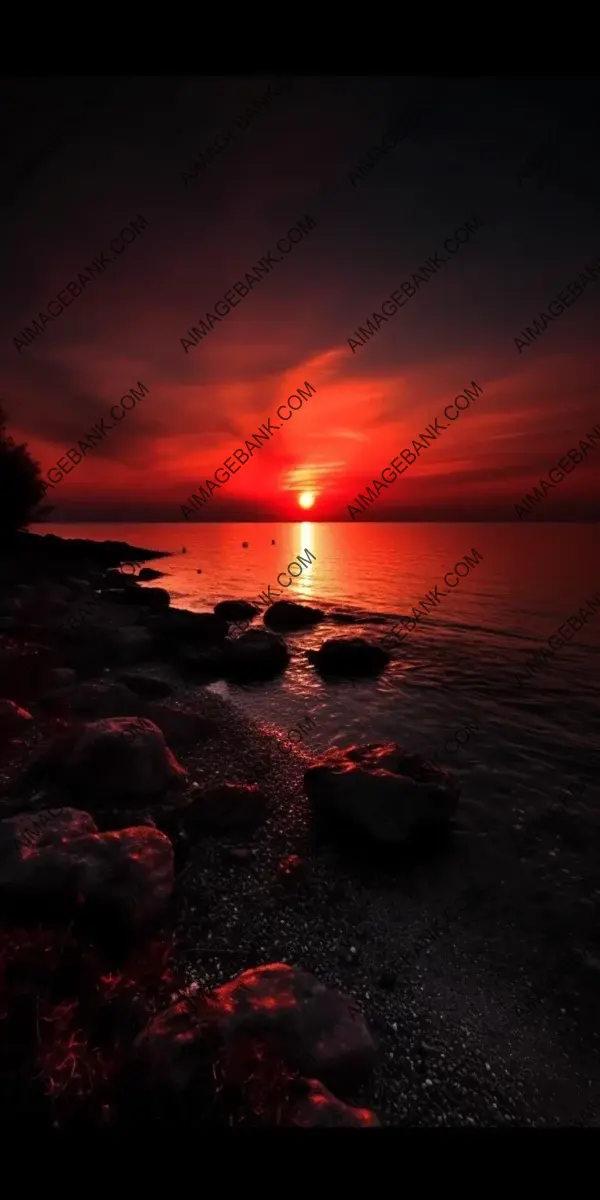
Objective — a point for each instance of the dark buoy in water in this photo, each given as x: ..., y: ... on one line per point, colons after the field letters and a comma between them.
x: 183, y: 550
x: 245, y: 545
x: 272, y: 541
x: 198, y: 570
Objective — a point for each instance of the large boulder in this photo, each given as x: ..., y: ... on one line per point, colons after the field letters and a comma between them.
x: 348, y: 656
x: 118, y: 757
x: 126, y: 875
x: 57, y: 860
x: 285, y: 616
x: 316, y: 1030
x: 92, y: 698
x: 382, y: 793
x: 255, y: 655
x: 236, y: 610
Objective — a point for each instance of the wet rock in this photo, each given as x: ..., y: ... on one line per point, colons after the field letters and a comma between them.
x: 92, y: 698
x: 36, y: 872
x: 320, y: 1109
x: 148, y: 573
x: 236, y: 610
x: 255, y: 655
x: 315, y: 1030
x: 35, y: 831
x: 201, y: 662
x: 286, y: 615
x: 147, y: 597
x: 342, y: 618
x: 57, y: 861
x: 126, y: 875
x: 382, y: 793
x: 147, y: 685
x: 13, y: 719
x: 129, y: 645
x: 119, y: 756
x: 228, y: 806
x: 348, y: 656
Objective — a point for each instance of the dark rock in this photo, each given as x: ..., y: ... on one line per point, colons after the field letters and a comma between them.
x: 320, y: 1109
x: 348, y: 656
x: 118, y: 756
x: 147, y: 685
x: 58, y: 860
x: 228, y: 806
x: 126, y: 875
x: 342, y: 618
x: 92, y: 698
x: 201, y: 662
x: 148, y: 573
x: 255, y: 655
x: 315, y: 1030
x: 236, y: 610
x: 285, y: 616
x: 382, y: 793
x: 146, y: 597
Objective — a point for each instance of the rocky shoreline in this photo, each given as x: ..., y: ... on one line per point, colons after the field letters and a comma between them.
x: 189, y: 914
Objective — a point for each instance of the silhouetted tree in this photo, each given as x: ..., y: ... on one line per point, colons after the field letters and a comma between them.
x: 21, y: 487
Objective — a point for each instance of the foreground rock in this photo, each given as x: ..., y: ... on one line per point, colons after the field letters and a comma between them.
x: 116, y: 757
x: 255, y: 655
x: 317, y: 1031
x: 236, y: 610
x: 92, y: 698
x: 228, y: 806
x: 56, y: 862
x: 320, y: 1109
x: 285, y: 616
x: 382, y: 793
x: 348, y: 656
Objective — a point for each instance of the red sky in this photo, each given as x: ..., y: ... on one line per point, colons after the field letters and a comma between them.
x: 295, y: 159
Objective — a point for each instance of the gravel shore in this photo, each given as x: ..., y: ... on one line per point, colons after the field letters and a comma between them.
x: 462, y: 960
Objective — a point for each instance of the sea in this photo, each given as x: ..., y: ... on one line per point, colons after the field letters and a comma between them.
x: 534, y: 736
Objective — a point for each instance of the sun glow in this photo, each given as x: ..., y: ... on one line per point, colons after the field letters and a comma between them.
x: 306, y: 499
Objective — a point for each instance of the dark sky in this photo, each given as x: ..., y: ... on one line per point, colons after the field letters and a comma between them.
x: 83, y: 159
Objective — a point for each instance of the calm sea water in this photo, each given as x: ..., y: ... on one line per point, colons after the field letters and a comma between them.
x: 460, y: 663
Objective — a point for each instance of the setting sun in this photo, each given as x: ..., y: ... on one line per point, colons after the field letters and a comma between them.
x: 306, y: 499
